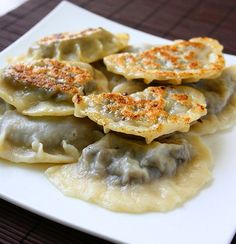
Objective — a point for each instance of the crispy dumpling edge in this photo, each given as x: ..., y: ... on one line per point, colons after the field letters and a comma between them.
x: 147, y: 133
x: 187, y: 77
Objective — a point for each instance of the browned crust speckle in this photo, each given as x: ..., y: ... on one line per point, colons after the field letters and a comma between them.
x: 53, y: 75
x: 180, y: 60
x: 68, y: 35
x: 146, y: 108
x: 134, y: 110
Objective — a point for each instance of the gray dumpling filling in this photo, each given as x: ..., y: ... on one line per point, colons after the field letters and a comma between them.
x: 218, y: 91
x: 123, y: 161
x: 44, y: 139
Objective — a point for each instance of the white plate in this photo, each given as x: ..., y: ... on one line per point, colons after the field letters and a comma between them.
x: 208, y: 218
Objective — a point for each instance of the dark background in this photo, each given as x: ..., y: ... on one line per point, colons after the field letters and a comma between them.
x: 172, y: 19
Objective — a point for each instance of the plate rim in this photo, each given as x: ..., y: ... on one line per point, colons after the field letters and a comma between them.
x: 24, y: 205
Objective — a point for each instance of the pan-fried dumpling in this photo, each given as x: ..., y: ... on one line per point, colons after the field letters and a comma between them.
x: 151, y: 113
x: 46, y: 139
x: 87, y: 46
x: 183, y: 61
x: 46, y: 87
x: 131, y: 176
x: 221, y: 103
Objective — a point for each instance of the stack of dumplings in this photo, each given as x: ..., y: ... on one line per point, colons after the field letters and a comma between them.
x: 125, y: 122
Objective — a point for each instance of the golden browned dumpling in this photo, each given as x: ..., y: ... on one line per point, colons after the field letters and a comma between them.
x: 46, y: 87
x: 131, y: 176
x: 151, y: 113
x: 183, y: 61
x: 86, y: 46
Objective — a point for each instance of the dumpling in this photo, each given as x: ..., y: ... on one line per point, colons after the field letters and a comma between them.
x: 4, y: 107
x: 118, y: 83
x: 151, y: 113
x: 129, y: 86
x: 138, y: 48
x: 46, y: 139
x: 46, y: 87
x: 221, y: 103
x: 131, y: 176
x: 183, y: 61
x: 86, y: 46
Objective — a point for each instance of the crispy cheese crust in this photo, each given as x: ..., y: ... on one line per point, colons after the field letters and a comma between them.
x: 183, y: 61
x: 49, y: 74
x: 154, y: 112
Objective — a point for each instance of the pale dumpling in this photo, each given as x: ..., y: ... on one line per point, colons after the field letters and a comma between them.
x: 220, y: 96
x: 4, y: 107
x: 118, y: 83
x: 44, y: 139
x: 154, y: 112
x: 138, y: 48
x: 86, y: 46
x: 46, y: 87
x: 183, y: 61
x: 130, y: 176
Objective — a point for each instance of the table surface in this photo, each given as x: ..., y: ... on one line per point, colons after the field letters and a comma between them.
x: 8, y: 5
x: 172, y: 19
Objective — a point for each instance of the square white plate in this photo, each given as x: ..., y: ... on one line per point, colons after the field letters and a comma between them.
x: 208, y: 218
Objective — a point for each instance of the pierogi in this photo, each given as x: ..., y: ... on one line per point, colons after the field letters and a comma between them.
x: 58, y: 99
x: 86, y: 46
x: 118, y: 83
x: 220, y: 96
x: 46, y: 87
x: 154, y: 112
x: 44, y: 139
x: 181, y: 62
x: 131, y: 176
